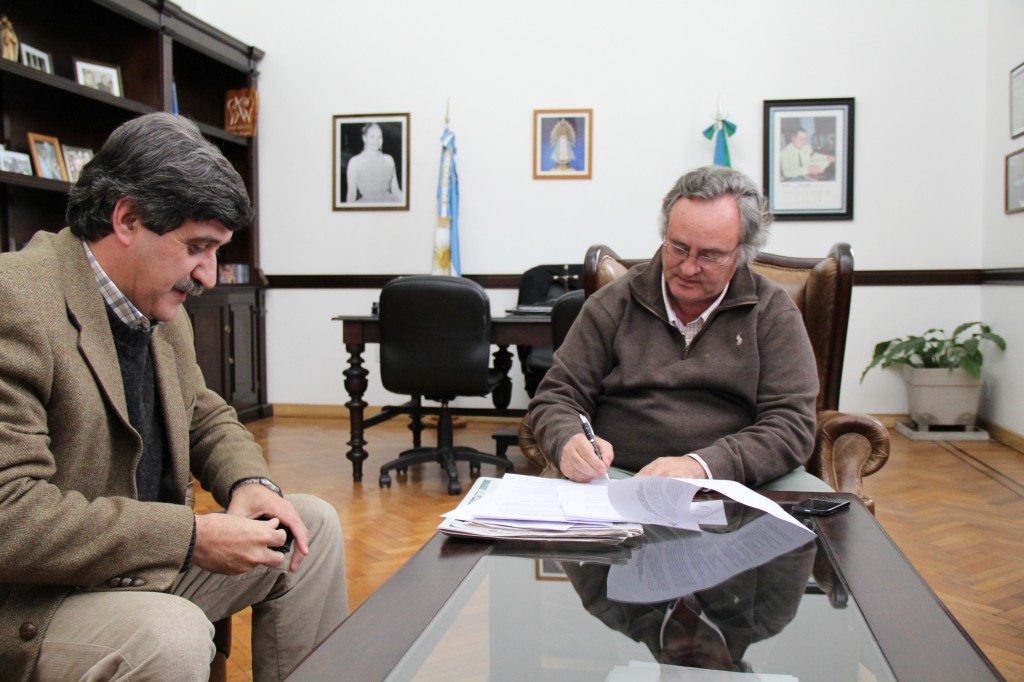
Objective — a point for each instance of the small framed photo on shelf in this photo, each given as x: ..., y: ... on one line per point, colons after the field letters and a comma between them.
x: 15, y: 162
x: 563, y: 144
x: 1015, y: 182
x: 36, y: 59
x: 99, y: 76
x: 371, y: 162
x: 808, y: 158
x: 1017, y: 101
x: 232, y: 273
x: 46, y: 157
x: 75, y: 159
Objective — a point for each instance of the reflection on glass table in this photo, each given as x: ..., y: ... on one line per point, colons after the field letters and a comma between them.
x: 770, y: 603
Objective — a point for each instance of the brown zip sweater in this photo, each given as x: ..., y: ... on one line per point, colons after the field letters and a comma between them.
x: 742, y: 395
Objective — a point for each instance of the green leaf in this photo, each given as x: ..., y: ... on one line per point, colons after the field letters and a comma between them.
x: 935, y: 349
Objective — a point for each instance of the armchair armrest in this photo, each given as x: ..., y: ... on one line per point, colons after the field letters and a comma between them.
x: 848, y: 447
x: 532, y: 451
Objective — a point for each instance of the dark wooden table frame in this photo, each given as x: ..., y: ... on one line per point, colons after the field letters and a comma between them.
x: 918, y: 636
x: 359, y: 331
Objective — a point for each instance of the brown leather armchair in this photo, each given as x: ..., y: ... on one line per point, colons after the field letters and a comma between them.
x: 847, y: 447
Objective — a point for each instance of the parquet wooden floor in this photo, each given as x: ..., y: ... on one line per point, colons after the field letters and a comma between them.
x: 956, y: 509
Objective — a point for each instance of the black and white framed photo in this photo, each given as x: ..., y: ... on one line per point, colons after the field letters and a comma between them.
x: 563, y: 144
x: 808, y: 158
x: 371, y: 162
x: 99, y: 76
x: 36, y: 59
x: 1017, y: 101
x: 1015, y: 182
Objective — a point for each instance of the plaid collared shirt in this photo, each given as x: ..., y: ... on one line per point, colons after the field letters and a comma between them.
x: 114, y: 298
x: 689, y: 331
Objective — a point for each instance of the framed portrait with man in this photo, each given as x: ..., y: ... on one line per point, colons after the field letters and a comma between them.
x: 47, y: 157
x: 808, y: 158
x: 371, y: 162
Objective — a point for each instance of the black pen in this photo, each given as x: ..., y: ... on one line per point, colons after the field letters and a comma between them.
x: 589, y: 433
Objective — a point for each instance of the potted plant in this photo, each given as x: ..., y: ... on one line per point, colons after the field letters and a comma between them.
x: 943, y: 373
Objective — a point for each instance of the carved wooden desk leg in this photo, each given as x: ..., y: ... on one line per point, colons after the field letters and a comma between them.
x: 355, y: 384
x: 502, y: 395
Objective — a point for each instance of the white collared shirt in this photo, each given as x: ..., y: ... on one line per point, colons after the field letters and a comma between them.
x: 689, y: 332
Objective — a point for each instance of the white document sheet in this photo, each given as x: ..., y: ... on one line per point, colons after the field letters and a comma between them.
x: 684, y: 565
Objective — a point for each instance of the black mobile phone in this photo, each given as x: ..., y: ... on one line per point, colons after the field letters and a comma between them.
x: 820, y: 505
x: 287, y: 546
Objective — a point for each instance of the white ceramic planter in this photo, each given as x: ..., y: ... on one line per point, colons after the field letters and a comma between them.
x: 942, y: 397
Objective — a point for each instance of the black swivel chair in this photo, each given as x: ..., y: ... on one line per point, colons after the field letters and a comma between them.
x: 542, y: 285
x: 435, y: 342
x: 563, y: 314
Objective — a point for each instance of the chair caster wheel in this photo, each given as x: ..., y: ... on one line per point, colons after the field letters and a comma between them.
x: 402, y: 470
x: 385, y: 481
x: 454, y: 488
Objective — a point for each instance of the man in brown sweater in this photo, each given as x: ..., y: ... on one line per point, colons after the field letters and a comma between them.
x: 693, y: 365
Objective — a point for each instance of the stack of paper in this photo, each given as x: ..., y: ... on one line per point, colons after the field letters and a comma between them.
x: 528, y: 508
x: 533, y: 508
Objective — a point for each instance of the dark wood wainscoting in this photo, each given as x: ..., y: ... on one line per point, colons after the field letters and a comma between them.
x: 867, y: 278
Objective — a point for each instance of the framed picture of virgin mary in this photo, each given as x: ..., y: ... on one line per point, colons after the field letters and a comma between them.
x: 563, y: 144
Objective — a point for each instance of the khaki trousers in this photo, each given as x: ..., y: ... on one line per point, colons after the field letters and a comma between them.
x: 169, y: 636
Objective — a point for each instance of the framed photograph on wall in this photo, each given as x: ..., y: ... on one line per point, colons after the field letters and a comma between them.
x: 371, y: 162
x: 563, y: 144
x: 1017, y: 101
x: 808, y: 158
x: 36, y: 59
x: 46, y: 157
x: 549, y: 569
x: 1015, y: 182
x: 99, y: 76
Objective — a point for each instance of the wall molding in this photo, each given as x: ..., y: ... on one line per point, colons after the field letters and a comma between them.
x: 868, y: 278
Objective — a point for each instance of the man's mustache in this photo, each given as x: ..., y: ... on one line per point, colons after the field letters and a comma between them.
x: 190, y: 287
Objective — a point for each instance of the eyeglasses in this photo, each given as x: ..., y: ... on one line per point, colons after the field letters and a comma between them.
x: 704, y: 262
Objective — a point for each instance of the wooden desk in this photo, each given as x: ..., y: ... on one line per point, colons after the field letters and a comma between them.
x: 896, y: 621
x: 533, y: 330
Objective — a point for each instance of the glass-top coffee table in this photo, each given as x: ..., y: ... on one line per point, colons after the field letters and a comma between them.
x: 844, y: 606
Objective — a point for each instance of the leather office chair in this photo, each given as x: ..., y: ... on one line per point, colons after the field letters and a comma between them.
x: 563, y: 314
x: 543, y: 284
x: 847, y: 447
x: 435, y: 342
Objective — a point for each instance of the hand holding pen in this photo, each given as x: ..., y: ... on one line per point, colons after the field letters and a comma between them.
x: 589, y: 432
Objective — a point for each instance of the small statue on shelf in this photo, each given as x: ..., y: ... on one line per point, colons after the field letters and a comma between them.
x: 9, y: 39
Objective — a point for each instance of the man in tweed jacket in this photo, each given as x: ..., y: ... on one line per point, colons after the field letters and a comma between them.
x: 105, y: 572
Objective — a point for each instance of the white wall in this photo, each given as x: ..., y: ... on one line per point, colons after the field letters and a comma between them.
x: 1003, y: 235
x: 652, y: 73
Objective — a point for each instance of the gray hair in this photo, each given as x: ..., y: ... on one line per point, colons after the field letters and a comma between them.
x: 163, y: 163
x: 711, y: 182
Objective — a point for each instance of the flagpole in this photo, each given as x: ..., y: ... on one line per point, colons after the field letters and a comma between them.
x: 446, y: 257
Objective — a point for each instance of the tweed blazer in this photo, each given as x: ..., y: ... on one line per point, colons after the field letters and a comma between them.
x: 69, y: 517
